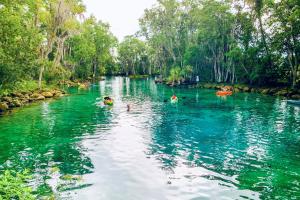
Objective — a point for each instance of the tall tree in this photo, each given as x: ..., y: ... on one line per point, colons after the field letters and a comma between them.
x: 59, y: 16
x: 133, y: 56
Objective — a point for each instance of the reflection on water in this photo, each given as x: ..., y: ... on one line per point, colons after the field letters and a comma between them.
x: 205, y: 147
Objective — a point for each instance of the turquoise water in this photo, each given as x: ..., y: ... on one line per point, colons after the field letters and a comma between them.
x: 246, y: 146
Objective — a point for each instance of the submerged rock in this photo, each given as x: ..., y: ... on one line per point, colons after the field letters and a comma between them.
x: 236, y: 90
x: 3, y: 106
x: 265, y: 91
x: 47, y: 94
x: 40, y: 97
x: 246, y: 89
x: 273, y: 91
x: 25, y: 100
x: 282, y: 93
x: 58, y: 94
x: 17, y: 94
x: 296, y: 96
x: 208, y: 86
x: 7, y: 99
x: 18, y: 99
x: 17, y: 103
x: 37, y: 97
x: 34, y: 95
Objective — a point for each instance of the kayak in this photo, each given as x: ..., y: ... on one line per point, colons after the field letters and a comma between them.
x: 174, y: 100
x: 224, y: 93
x: 294, y: 102
x: 108, y: 102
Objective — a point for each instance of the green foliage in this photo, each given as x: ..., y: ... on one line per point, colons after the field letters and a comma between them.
x: 91, y: 52
x: 18, y: 43
x: 20, y: 86
x: 226, y: 41
x: 35, y: 45
x: 133, y: 56
x: 13, y: 185
x: 178, y: 74
x: 57, y: 73
x: 256, y: 42
x: 29, y: 85
x: 187, y: 71
x: 175, y: 75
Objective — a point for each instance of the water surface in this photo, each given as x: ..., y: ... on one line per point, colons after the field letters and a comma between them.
x: 246, y: 146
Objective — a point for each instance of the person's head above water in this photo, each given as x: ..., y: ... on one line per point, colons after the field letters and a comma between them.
x: 128, y: 107
x: 107, y: 98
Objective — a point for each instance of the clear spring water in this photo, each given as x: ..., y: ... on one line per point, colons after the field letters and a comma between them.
x: 246, y: 146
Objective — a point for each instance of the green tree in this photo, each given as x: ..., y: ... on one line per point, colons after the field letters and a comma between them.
x: 286, y: 36
x: 19, y: 43
x: 57, y: 21
x: 132, y: 55
x: 92, y: 51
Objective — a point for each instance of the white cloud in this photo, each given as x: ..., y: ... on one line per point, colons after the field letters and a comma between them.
x: 122, y: 15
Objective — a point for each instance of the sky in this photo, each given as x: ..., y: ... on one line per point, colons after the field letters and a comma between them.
x: 122, y: 15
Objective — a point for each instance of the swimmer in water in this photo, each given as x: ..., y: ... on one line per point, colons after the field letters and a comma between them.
x: 128, y: 107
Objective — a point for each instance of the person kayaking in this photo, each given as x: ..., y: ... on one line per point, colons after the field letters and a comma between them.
x: 107, y: 98
x: 225, y: 91
x: 108, y: 101
x: 174, y: 99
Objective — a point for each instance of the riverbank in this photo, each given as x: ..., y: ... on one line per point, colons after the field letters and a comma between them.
x: 16, y: 99
x: 138, y: 76
x: 273, y: 91
x: 19, y: 99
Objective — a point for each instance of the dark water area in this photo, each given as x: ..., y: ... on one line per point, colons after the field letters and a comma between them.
x: 246, y: 146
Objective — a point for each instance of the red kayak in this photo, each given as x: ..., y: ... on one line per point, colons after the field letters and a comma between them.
x: 224, y: 93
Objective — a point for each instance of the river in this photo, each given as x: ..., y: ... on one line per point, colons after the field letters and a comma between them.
x: 246, y: 146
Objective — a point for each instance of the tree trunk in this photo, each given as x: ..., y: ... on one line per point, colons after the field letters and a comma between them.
x: 94, y: 69
x: 59, y: 51
x: 295, y: 55
x: 233, y: 74
x: 293, y: 68
x: 263, y: 37
x: 294, y: 74
x: 215, y: 70
x: 41, y: 76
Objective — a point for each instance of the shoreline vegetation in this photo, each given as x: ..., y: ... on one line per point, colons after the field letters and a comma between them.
x: 221, y: 42
x: 287, y: 92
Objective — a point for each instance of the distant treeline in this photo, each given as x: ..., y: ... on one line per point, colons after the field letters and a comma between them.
x: 253, y: 41
x: 246, y: 41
